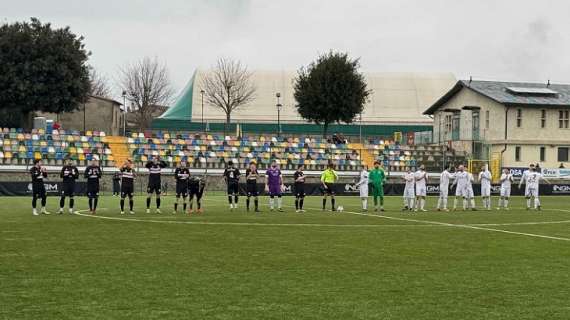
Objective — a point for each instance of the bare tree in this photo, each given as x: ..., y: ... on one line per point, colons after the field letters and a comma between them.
x: 99, y: 84
x: 228, y: 86
x: 146, y: 84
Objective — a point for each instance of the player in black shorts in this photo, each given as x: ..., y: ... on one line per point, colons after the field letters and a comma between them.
x: 181, y: 175
x: 69, y: 174
x: 38, y: 174
x: 299, y: 178
x: 195, y: 189
x: 231, y: 176
x: 127, y: 185
x: 154, y: 167
x: 93, y: 173
x: 251, y: 176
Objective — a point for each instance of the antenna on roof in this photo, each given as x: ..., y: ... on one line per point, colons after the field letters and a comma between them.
x: 470, y: 79
x: 548, y: 83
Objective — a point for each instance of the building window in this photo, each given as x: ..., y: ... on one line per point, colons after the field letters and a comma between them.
x: 487, y: 120
x: 563, y: 119
x: 542, y: 154
x: 517, y: 153
x: 563, y: 154
x: 475, y: 127
x: 519, y: 118
x: 543, y: 118
x: 456, y: 123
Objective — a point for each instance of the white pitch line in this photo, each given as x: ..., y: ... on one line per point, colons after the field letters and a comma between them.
x: 465, y: 226
x: 519, y: 223
x: 254, y: 223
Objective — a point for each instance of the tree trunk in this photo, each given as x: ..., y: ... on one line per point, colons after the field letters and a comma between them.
x: 325, y: 129
x: 228, y: 121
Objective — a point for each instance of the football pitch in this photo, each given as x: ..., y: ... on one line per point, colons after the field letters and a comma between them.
x: 315, y: 265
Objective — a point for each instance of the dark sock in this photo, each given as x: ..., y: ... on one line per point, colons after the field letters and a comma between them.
x: 324, y: 203
x: 44, y: 201
x: 247, y: 203
x: 71, y: 203
x: 61, y: 202
x: 297, y: 204
x: 230, y: 199
x: 175, y: 206
x: 90, y: 204
x: 95, y: 202
x: 236, y: 199
x: 191, y: 204
x: 158, y: 203
x: 256, y: 202
x: 332, y: 203
x: 131, y: 204
x: 301, y: 203
x: 381, y: 200
x: 184, y: 206
x: 199, y: 203
x: 148, y: 202
x: 122, y: 204
x: 34, y: 201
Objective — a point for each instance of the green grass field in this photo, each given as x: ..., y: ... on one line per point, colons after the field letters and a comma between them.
x: 316, y: 265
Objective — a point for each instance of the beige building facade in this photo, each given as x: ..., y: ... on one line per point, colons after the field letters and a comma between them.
x: 523, y: 122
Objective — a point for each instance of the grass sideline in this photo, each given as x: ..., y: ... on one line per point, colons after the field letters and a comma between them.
x: 317, y: 265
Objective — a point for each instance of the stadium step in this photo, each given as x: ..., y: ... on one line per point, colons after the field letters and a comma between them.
x: 366, y: 157
x: 119, y: 148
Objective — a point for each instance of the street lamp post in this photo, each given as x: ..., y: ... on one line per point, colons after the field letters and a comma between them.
x: 124, y: 112
x: 279, y: 106
x: 202, y: 93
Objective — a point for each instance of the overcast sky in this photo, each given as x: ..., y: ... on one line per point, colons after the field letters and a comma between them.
x: 502, y: 40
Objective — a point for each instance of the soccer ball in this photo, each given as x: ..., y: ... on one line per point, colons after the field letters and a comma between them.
x: 339, y: 208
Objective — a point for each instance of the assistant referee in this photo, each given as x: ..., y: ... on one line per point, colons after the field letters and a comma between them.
x: 328, y: 178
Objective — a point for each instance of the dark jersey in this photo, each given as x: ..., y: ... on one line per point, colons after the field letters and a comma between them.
x: 297, y: 175
x: 154, y: 171
x: 69, y: 173
x: 251, y: 177
x: 127, y: 177
x: 92, y: 174
x: 117, y: 176
x: 37, y: 175
x: 232, y: 175
x: 181, y: 175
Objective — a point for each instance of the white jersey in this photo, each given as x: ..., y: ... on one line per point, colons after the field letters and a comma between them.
x: 506, y: 180
x: 420, y: 177
x: 532, y: 179
x: 485, y: 178
x: 469, y: 188
x: 409, y: 191
x: 461, y: 180
x: 363, y: 184
x: 410, y: 180
x: 444, y: 178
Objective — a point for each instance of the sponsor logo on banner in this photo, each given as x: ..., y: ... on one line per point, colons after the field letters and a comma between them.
x: 550, y: 173
x: 431, y: 189
x: 561, y: 189
x: 564, y: 173
x: 351, y: 188
x: 517, y: 172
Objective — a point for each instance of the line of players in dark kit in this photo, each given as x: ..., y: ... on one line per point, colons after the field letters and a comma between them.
x: 188, y: 186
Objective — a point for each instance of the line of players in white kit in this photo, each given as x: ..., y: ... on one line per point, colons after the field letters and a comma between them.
x: 415, y: 188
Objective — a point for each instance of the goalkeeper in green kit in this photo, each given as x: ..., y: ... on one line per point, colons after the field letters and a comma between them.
x: 377, y: 177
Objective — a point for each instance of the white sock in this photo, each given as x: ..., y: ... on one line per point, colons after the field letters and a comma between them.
x: 464, y: 203
x: 271, y: 203
x: 444, y: 203
x: 439, y: 200
x: 422, y: 203
x: 536, y: 203
x: 528, y: 203
x: 472, y: 203
x: 279, y: 202
x: 455, y: 203
x: 506, y: 203
x: 365, y: 203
